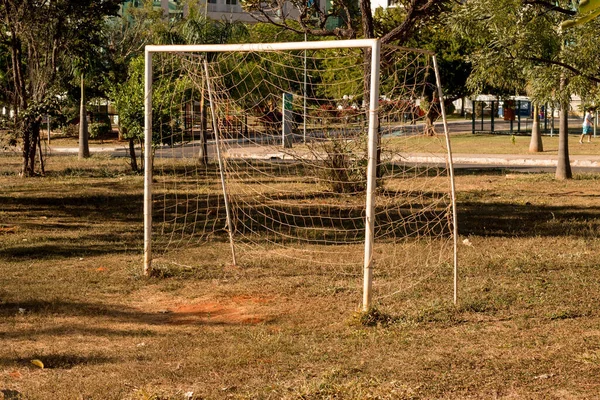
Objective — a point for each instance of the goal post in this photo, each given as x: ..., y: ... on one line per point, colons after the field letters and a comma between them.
x: 334, y: 142
x: 371, y: 177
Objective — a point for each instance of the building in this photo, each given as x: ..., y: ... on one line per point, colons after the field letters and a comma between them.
x: 220, y: 10
x: 384, y: 4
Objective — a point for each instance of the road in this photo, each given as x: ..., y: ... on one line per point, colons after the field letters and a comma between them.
x: 246, y: 149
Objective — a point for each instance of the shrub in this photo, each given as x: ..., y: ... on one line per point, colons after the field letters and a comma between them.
x: 99, y: 129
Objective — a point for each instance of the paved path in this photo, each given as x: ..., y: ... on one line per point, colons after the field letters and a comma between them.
x: 531, y: 162
x: 521, y: 161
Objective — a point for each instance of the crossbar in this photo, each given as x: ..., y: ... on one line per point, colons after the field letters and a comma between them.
x: 248, y: 47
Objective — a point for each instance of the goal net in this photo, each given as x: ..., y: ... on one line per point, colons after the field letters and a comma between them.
x: 317, y: 158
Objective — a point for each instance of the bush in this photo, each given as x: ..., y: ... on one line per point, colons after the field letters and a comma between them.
x: 99, y: 129
x: 344, y: 166
x: 70, y: 130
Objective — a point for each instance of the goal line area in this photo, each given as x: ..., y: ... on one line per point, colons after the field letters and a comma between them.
x: 331, y: 157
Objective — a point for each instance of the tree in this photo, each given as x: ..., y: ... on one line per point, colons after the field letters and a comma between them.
x: 521, y: 49
x: 38, y: 34
x: 126, y: 38
x: 128, y: 98
x: 450, y: 49
x: 344, y: 20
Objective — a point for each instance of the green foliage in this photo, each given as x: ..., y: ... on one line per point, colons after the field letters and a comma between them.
x: 450, y: 49
x: 266, y: 33
x: 519, y: 50
x: 168, y: 93
x: 341, y: 75
x: 144, y: 25
x: 129, y: 100
x: 99, y: 129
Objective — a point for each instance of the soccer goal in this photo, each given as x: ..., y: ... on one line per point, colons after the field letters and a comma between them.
x: 317, y: 155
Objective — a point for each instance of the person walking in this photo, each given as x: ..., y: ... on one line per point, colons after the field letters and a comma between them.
x: 588, y: 126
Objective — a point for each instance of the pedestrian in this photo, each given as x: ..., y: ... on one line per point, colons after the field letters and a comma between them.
x: 588, y: 126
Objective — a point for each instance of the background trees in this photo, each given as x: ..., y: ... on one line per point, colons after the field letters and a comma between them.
x: 39, y: 35
x: 503, y: 47
x: 521, y: 49
x: 127, y: 36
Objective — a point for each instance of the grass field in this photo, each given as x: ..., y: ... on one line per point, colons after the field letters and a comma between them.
x: 505, y: 144
x: 72, y: 295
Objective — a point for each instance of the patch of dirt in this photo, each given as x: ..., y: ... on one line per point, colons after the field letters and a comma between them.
x: 237, y: 310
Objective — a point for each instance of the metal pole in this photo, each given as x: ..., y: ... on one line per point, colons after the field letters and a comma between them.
x: 474, y: 104
x: 247, y: 47
x: 491, y: 115
x: 452, y: 185
x: 371, y: 176
x: 305, y: 93
x: 147, y: 162
x: 518, y: 116
x: 482, y: 113
x: 221, y: 167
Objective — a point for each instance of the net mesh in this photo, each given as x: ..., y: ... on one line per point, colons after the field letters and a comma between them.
x: 292, y: 130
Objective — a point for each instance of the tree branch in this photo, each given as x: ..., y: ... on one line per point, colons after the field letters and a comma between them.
x: 417, y: 12
x: 568, y: 67
x: 549, y: 6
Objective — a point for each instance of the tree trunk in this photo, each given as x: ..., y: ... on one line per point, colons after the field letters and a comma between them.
x: 563, y: 169
x: 26, y: 135
x: 120, y: 136
x: 433, y: 113
x: 203, y: 154
x: 430, y: 117
x: 84, y: 148
x: 536, y: 145
x: 41, y: 155
x: 133, y: 159
x: 30, y: 132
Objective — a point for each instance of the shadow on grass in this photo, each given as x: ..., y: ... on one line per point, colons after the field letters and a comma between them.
x: 121, y: 207
x: 79, y: 330
x: 58, y: 361
x: 104, y: 224
x: 315, y: 224
x: 61, y: 250
x: 511, y: 220
x: 117, y: 313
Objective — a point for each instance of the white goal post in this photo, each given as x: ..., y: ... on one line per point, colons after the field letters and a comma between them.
x: 374, y: 46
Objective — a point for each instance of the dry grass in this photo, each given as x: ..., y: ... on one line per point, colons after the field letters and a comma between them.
x: 466, y: 143
x: 72, y: 296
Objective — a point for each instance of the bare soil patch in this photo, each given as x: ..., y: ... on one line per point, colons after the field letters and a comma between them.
x: 244, y: 310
